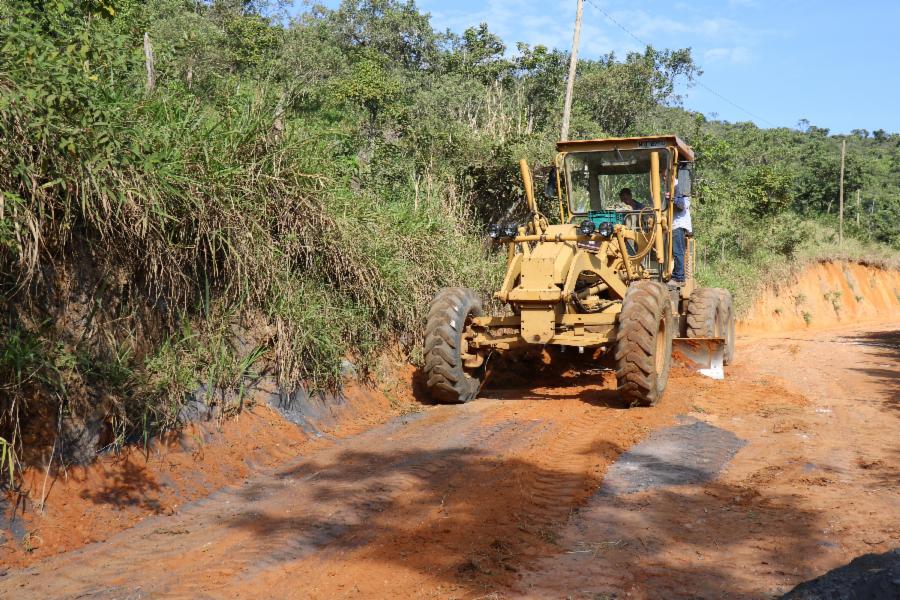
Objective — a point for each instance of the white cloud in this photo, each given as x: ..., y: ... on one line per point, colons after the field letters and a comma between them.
x: 738, y: 55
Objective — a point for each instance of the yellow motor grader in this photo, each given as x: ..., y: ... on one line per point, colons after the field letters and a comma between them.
x: 600, y: 279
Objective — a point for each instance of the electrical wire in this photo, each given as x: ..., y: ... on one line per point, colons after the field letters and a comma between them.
x: 610, y: 18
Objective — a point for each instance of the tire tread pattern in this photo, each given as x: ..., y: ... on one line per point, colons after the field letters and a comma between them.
x: 639, y: 383
x: 446, y: 379
x: 727, y: 305
x: 702, y: 312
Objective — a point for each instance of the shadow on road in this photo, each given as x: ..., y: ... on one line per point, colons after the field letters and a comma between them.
x: 125, y: 483
x: 883, y: 345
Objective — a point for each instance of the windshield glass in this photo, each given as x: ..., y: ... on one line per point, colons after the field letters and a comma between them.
x: 595, y: 179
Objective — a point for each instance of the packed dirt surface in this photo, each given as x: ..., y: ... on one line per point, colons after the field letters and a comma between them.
x: 505, y: 497
x: 826, y: 294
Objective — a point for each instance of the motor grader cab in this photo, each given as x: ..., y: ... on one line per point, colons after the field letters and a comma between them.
x: 597, y: 279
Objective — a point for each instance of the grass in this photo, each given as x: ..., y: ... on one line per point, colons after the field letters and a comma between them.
x: 8, y: 460
x: 835, y: 298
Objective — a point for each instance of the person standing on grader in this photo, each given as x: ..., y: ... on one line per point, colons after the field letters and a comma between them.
x: 681, y: 230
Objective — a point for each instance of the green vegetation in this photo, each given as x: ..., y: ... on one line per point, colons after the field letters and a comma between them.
x: 290, y: 193
x: 7, y: 460
x: 834, y: 297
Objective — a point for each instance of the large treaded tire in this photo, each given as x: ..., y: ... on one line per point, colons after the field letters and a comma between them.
x: 644, y: 343
x: 447, y: 380
x: 705, y: 318
x: 727, y: 308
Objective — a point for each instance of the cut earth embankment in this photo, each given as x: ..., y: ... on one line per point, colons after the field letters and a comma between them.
x: 823, y: 295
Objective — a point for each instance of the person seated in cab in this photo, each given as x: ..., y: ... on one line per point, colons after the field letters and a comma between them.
x: 628, y: 200
x: 631, y: 221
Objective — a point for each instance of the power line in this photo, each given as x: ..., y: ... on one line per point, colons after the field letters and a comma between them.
x: 617, y: 24
x: 737, y: 106
x: 610, y: 18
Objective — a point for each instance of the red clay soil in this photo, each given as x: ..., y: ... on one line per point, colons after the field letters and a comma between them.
x: 824, y: 295
x: 497, y: 498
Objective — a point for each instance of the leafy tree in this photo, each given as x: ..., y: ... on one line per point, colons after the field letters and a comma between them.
x: 393, y: 29
x: 542, y: 75
x: 818, y: 184
x: 478, y: 53
x: 769, y: 189
x: 618, y: 95
x: 371, y: 85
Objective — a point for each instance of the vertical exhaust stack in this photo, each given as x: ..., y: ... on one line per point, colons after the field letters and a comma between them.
x: 657, y: 207
x: 528, y: 182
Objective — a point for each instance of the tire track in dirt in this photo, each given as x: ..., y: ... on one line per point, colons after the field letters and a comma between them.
x: 555, y: 457
x: 577, y: 442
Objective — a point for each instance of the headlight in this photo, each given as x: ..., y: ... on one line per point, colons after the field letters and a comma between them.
x: 586, y: 227
x: 511, y: 230
x: 605, y: 229
x: 494, y: 231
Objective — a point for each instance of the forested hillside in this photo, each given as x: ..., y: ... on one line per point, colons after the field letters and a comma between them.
x: 281, y: 193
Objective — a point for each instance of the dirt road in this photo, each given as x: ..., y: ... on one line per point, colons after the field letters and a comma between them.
x: 735, y: 488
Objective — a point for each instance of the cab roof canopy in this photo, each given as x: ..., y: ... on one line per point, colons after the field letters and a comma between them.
x: 628, y: 143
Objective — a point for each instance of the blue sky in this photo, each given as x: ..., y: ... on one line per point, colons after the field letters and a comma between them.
x: 834, y: 63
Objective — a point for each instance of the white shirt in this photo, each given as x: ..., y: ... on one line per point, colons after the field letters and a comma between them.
x: 683, y: 215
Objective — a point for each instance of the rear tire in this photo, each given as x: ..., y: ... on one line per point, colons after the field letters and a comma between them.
x: 727, y: 307
x: 705, y: 318
x: 644, y: 343
x: 448, y: 380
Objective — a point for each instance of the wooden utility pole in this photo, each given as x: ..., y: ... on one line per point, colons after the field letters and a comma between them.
x: 841, y: 197
x: 570, y: 82
x: 857, y: 208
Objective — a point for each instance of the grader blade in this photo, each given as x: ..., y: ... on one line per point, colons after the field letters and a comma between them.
x: 706, y: 355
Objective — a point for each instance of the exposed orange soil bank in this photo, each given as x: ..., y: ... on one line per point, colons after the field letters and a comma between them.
x: 826, y: 294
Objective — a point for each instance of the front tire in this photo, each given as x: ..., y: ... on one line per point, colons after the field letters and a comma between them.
x: 644, y: 343
x: 448, y: 378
